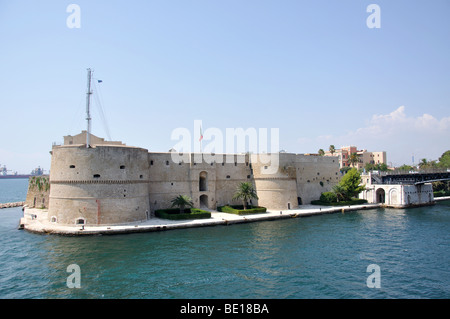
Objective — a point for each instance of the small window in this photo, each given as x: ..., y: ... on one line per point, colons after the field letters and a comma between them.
x: 53, y: 220
x: 122, y: 166
x: 72, y: 166
x: 228, y: 176
x: 248, y: 176
x: 96, y: 175
x: 151, y: 162
x: 167, y: 162
x: 223, y: 163
x: 80, y: 221
x: 141, y: 176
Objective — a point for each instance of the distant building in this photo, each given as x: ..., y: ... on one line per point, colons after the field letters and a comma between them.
x: 81, y: 139
x: 364, y: 157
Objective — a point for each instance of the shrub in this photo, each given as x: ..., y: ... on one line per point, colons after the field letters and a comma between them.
x: 441, y: 193
x: 239, y: 209
x: 328, y: 197
x: 174, y: 214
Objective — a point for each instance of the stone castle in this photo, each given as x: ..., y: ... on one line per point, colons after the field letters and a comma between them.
x: 111, y: 183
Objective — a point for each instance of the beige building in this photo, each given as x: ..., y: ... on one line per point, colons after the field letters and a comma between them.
x: 364, y: 157
x: 111, y: 183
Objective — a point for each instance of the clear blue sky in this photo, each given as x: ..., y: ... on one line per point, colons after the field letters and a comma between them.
x: 313, y: 69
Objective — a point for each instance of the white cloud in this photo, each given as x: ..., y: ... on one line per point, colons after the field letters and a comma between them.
x: 400, y: 135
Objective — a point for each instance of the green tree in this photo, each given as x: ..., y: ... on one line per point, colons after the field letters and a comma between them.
x: 350, y: 184
x: 406, y: 168
x: 182, y: 201
x: 340, y: 192
x: 353, y: 159
x: 345, y: 169
x: 245, y: 192
x: 423, y: 164
x: 444, y: 160
x: 332, y: 149
x: 321, y: 152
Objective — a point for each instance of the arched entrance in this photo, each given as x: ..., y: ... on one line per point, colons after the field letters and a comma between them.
x: 381, y: 195
x: 204, y: 201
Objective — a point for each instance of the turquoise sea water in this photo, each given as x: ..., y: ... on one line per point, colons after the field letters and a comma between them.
x: 315, y: 257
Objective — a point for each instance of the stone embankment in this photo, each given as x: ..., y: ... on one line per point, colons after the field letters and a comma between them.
x: 9, y: 205
x: 36, y: 220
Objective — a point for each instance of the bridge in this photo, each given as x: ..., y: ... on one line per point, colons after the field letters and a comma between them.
x: 401, y: 189
x: 412, y: 178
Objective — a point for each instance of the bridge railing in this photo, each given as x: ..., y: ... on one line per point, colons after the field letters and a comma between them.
x: 402, y: 172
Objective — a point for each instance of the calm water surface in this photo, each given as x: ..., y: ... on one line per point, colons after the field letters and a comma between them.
x: 315, y: 257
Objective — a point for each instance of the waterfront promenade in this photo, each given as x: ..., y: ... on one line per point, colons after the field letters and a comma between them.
x: 36, y: 220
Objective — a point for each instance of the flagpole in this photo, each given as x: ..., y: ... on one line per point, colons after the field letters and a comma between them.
x: 200, y: 139
x: 88, y: 114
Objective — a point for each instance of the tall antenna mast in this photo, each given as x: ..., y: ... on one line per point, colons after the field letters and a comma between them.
x: 88, y: 114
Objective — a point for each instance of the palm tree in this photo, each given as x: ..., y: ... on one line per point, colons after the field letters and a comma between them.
x: 423, y: 163
x: 353, y: 159
x: 245, y: 192
x: 182, y: 201
x: 340, y: 192
x: 332, y: 149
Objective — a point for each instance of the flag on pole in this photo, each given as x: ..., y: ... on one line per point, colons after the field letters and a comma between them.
x: 201, y: 135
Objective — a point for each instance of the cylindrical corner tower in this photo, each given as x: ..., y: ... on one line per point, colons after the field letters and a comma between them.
x: 102, y: 185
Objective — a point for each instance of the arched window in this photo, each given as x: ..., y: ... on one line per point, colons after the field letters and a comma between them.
x: 203, y: 182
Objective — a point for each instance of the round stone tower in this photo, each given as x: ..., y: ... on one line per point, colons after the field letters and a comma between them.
x: 101, y: 185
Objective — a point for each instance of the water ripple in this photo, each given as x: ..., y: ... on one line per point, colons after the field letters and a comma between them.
x: 317, y: 257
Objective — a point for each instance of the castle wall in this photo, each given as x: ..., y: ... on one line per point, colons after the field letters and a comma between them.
x: 169, y: 179
x: 99, y: 185
x: 315, y: 175
x: 114, y: 184
x: 38, y: 192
